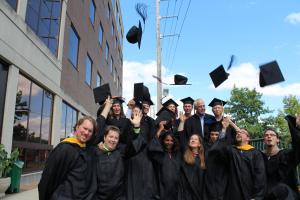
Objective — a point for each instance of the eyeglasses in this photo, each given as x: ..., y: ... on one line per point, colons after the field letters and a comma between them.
x: 271, y: 135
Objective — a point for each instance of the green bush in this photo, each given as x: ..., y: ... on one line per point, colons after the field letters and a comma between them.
x: 6, y: 163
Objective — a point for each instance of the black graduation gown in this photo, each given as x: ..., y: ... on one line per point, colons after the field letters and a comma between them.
x: 281, y: 168
x: 191, y: 184
x: 216, y: 174
x: 141, y: 183
x: 68, y: 174
x: 125, y: 127
x: 246, y: 172
x: 193, y: 125
x: 110, y: 170
x: 167, y: 168
x: 230, y: 132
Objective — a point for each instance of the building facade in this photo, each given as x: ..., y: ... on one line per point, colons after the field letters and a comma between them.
x: 52, y: 54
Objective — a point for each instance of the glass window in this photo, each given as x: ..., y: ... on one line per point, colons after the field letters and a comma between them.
x: 111, y: 65
x: 73, y: 46
x: 43, y: 17
x: 88, y: 70
x: 68, y: 120
x: 115, y: 75
x: 13, y: 3
x: 32, y: 123
x: 108, y: 11
x: 98, y: 80
x: 92, y: 11
x: 117, y: 12
x: 101, y: 34
x: 118, y: 80
x: 112, y: 29
x: 107, y: 52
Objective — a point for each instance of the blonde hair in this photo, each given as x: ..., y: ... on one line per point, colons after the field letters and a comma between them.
x: 88, y: 118
x: 189, y: 156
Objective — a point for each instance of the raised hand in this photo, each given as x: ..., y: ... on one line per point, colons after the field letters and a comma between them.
x: 136, y: 119
x: 182, y: 116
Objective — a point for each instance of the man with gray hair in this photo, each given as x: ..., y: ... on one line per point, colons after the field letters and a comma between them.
x: 197, y: 123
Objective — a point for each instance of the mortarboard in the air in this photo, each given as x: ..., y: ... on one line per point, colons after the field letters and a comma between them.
x: 180, y: 80
x: 269, y: 74
x: 168, y: 102
x: 101, y: 93
x: 141, y: 92
x: 217, y: 101
x: 218, y: 76
x: 134, y: 35
x: 187, y: 100
x: 118, y: 100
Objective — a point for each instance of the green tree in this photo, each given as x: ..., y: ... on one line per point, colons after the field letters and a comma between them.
x: 291, y: 105
x: 246, y: 107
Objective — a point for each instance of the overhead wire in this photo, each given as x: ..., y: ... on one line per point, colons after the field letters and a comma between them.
x: 187, y: 10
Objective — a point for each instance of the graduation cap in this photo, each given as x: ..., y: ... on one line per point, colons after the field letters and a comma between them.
x: 101, y: 93
x: 214, y: 127
x: 118, y: 100
x: 269, y: 74
x: 141, y: 92
x: 148, y: 101
x: 187, y: 100
x: 164, y: 114
x: 170, y: 101
x: 138, y: 104
x: 219, y: 75
x: 180, y: 80
x: 134, y: 35
x: 217, y: 101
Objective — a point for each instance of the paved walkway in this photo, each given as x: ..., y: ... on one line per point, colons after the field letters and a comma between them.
x: 24, y: 195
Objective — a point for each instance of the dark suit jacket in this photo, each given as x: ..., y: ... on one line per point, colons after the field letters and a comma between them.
x: 193, y: 125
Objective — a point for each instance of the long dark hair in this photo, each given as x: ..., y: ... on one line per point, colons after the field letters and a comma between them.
x: 163, y: 137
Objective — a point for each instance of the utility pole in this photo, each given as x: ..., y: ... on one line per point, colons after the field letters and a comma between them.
x: 158, y: 57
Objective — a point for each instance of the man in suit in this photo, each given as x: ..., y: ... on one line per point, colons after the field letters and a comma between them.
x: 197, y: 123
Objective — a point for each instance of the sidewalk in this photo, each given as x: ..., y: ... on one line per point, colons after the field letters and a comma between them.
x: 24, y: 195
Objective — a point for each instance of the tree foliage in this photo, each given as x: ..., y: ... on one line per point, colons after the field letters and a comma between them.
x: 248, y: 110
x: 246, y: 107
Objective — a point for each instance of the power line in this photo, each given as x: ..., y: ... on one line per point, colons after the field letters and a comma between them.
x: 171, y: 45
x: 187, y: 10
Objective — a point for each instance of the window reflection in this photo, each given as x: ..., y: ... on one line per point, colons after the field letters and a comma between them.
x: 13, y: 3
x: 73, y: 46
x: 92, y: 11
x: 43, y: 17
x: 88, y: 70
x: 32, y: 122
x: 68, y: 120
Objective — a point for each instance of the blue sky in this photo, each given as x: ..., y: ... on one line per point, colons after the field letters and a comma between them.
x: 255, y: 31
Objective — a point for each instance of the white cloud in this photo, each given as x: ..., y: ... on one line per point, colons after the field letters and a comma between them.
x: 247, y: 75
x: 136, y: 72
x: 293, y: 18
